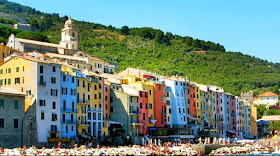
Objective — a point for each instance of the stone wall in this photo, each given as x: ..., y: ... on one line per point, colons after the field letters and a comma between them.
x: 11, y: 136
x: 30, y: 135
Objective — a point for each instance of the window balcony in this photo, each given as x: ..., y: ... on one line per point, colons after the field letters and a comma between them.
x: 42, y: 83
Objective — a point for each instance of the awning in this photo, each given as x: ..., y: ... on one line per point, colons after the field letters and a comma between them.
x: 114, y: 123
x: 192, y: 118
x: 231, y: 131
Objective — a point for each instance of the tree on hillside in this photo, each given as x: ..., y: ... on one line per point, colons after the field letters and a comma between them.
x: 261, y: 110
x: 125, y: 30
x: 32, y: 35
x: 275, y: 89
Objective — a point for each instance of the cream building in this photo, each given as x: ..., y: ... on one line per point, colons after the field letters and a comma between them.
x: 267, y: 98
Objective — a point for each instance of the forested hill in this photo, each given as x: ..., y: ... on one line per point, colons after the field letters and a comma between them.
x: 154, y: 50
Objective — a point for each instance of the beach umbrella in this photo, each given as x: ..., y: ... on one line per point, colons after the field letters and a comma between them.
x: 228, y: 140
x: 155, y: 141
x: 224, y: 140
x: 143, y: 141
x: 209, y: 140
x: 200, y: 140
x: 205, y: 140
x: 159, y: 142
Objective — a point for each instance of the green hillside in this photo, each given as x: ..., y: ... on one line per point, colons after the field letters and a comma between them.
x: 154, y: 50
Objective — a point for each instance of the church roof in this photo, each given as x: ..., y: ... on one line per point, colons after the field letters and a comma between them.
x: 37, y: 42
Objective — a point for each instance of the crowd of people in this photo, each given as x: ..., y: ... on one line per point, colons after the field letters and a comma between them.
x: 167, y: 148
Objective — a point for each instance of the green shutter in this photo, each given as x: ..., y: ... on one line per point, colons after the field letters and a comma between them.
x: 16, y: 104
x: 1, y: 103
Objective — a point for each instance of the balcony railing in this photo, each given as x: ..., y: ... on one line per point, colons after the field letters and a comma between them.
x: 43, y: 83
x: 82, y: 123
x: 84, y: 101
x: 69, y: 110
x: 233, y: 114
x: 95, y: 109
x: 134, y: 112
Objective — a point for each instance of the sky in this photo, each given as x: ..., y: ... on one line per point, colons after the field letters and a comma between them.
x: 251, y: 27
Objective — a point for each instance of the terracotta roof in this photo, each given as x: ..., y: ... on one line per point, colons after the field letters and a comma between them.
x: 268, y: 94
x: 255, y: 98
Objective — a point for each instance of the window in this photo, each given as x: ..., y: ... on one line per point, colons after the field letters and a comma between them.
x: 140, y: 94
x: 9, y: 70
x: 99, y: 116
x: 53, y: 69
x: 150, y: 92
x: 53, y: 92
x: 17, y: 69
x: 161, y: 98
x: 140, y: 105
x: 42, y: 115
x: 78, y: 83
x: 2, y: 123
x: 53, y: 80
x: 131, y: 99
x: 144, y: 117
x: 1, y: 82
x: 17, y: 80
x: 146, y: 106
x: 64, y: 78
x: 111, y: 109
x: 54, y: 117
x: 99, y: 95
x: 15, y: 123
x: 16, y: 104
x: 23, y: 68
x: 106, y: 98
x: 95, y: 87
x: 159, y: 87
x: 42, y: 102
x: 150, y: 106
x: 88, y: 87
x: 1, y: 71
x: 64, y: 105
x: 53, y: 105
x: 73, y: 80
x: 84, y: 83
x: 66, y: 129
x: 41, y: 69
x: 9, y: 81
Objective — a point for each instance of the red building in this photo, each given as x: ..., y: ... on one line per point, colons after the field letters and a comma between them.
x: 233, y: 113
x: 144, y: 112
x: 159, y: 105
x: 192, y: 101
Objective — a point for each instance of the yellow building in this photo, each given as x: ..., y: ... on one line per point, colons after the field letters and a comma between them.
x: 83, y: 101
x: 198, y: 106
x: 4, y: 52
x: 16, y: 73
x: 253, y: 127
x: 144, y: 85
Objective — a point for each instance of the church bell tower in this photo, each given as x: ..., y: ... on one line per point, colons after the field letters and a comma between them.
x: 69, y: 35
